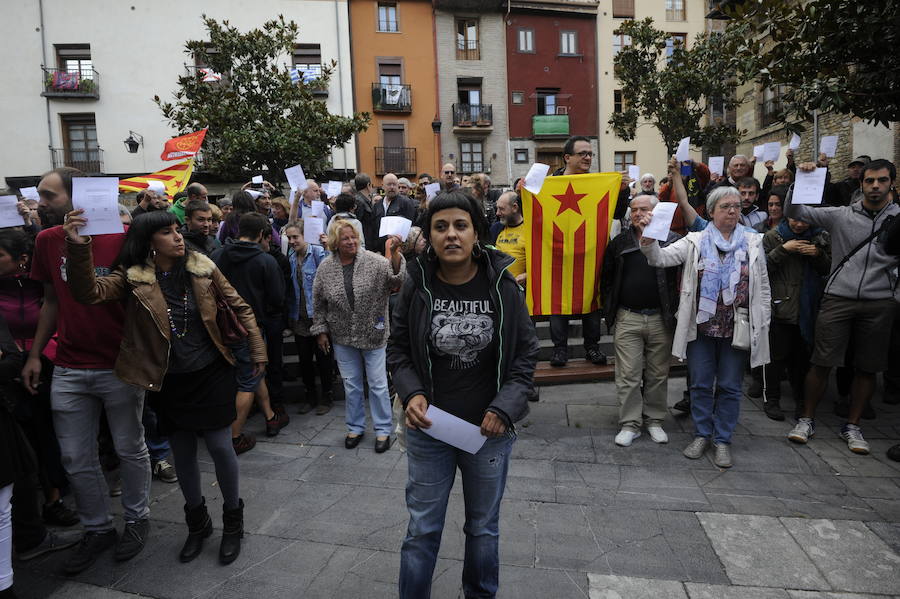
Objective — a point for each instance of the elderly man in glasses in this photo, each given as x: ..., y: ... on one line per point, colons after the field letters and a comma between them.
x: 448, y: 177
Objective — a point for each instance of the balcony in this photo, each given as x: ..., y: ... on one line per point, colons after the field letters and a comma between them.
x: 63, y: 83
x: 391, y: 97
x: 468, y: 50
x: 550, y: 125
x: 89, y: 162
x: 473, y: 118
x: 400, y: 161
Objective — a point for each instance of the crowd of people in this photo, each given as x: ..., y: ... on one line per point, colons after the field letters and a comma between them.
x: 119, y: 352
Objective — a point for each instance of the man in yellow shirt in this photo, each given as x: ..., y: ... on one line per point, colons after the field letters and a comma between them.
x: 511, y: 239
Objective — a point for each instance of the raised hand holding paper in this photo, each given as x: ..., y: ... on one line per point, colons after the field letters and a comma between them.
x: 318, y: 208
x: 9, y: 212
x: 661, y: 221
x: 453, y: 430
x: 257, y: 180
x: 771, y: 151
x: 333, y: 189
x: 684, y: 150
x: 394, y: 225
x: 795, y: 142
x: 99, y: 198
x: 313, y: 227
x: 808, y: 187
x: 156, y: 186
x: 30, y: 193
x: 759, y: 151
x: 828, y: 145
x: 432, y: 190
x: 295, y: 178
x: 534, y: 180
x: 634, y: 172
x: 717, y: 165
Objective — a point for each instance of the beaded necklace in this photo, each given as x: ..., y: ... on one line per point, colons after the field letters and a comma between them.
x: 184, y: 302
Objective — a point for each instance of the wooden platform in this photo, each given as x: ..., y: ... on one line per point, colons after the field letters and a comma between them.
x: 580, y: 370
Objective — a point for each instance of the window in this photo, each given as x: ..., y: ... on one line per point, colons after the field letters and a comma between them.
x: 75, y: 58
x: 467, y: 39
x: 623, y: 160
x: 518, y: 97
x: 387, y: 17
x: 521, y: 155
x: 717, y: 109
x: 568, y: 42
x: 675, y: 40
x: 526, y: 40
x: 308, y: 60
x: 471, y: 157
x: 80, y: 148
x: 619, y: 42
x: 617, y: 101
x: 623, y: 9
x: 770, y: 107
x: 675, y: 10
x: 546, y: 102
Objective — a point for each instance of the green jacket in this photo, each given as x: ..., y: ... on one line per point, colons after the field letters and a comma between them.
x: 178, y: 210
x: 786, y: 272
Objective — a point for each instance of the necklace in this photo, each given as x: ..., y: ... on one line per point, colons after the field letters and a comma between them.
x: 184, y: 329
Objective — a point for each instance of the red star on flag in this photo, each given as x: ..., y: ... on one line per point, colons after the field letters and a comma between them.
x: 569, y: 200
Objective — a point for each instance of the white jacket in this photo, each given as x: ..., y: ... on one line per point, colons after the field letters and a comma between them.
x: 686, y: 251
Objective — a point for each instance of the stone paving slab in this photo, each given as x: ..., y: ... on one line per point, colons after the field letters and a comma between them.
x: 624, y: 587
x: 715, y: 591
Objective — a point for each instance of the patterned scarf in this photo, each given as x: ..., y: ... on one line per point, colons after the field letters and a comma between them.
x: 720, y: 275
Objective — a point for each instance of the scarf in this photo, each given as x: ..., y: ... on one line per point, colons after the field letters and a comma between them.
x: 811, y: 286
x: 720, y: 275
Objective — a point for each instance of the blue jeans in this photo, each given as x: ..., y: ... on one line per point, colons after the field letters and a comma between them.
x: 432, y: 469
x: 717, y: 371
x: 356, y: 366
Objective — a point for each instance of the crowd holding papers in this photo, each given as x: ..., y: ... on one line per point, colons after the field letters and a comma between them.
x: 317, y: 208
x: 809, y: 187
x: 683, y: 153
x: 99, y: 198
x: 634, y: 172
x: 534, y: 180
x: 313, y: 227
x: 828, y: 145
x: 771, y: 151
x: 432, y: 190
x: 257, y: 180
x: 9, y: 212
x: 759, y: 151
x: 795, y: 142
x: 394, y: 225
x: 295, y: 178
x: 453, y: 430
x: 30, y: 193
x: 660, y: 221
x: 717, y: 165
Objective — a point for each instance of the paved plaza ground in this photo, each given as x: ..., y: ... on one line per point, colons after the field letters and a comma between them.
x: 581, y: 518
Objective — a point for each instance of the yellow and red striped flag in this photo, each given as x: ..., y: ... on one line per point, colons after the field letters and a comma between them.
x: 174, y: 177
x: 568, y: 227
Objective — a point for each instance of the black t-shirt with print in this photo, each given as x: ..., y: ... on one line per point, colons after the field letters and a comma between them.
x: 463, y: 347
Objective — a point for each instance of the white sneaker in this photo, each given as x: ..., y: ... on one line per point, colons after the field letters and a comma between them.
x: 626, y: 436
x: 658, y: 434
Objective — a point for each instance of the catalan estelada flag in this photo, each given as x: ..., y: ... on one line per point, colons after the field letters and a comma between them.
x: 174, y: 177
x: 568, y: 227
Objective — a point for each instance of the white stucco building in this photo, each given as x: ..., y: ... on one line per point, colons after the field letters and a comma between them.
x: 98, y: 64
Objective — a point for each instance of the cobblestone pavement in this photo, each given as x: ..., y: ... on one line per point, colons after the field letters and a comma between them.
x: 580, y: 518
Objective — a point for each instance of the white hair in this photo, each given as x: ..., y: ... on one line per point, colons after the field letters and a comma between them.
x: 654, y: 200
x: 720, y: 193
x: 648, y: 176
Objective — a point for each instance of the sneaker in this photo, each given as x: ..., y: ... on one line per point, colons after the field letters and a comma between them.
x: 243, y: 443
x: 278, y: 421
x: 595, y: 355
x: 658, y: 434
x: 59, y: 514
x: 559, y: 357
x: 842, y: 407
x: 53, y: 541
x: 802, y: 431
x: 165, y: 472
x: 87, y: 550
x: 534, y: 394
x: 683, y: 405
x: 133, y: 539
x: 894, y: 453
x: 696, y: 448
x: 854, y: 438
x: 626, y: 436
x: 722, y: 457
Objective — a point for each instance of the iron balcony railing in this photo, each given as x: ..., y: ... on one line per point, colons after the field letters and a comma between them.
x: 71, y: 83
x: 473, y: 115
x: 400, y: 161
x: 88, y: 161
x: 468, y: 50
x: 391, y: 97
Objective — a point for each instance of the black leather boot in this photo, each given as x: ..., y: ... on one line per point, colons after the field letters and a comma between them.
x: 232, y: 533
x: 199, y: 527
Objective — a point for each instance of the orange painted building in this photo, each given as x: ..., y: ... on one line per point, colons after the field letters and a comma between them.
x: 395, y: 80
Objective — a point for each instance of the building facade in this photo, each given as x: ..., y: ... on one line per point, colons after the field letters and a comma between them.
x: 75, y: 89
x: 551, y: 49
x: 395, y: 80
x: 471, y: 54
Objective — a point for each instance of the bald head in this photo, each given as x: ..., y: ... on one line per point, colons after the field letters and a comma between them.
x: 448, y: 173
x: 391, y: 185
x: 509, y: 211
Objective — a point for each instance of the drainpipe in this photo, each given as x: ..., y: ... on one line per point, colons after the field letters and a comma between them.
x: 437, y: 94
x: 352, y: 84
x: 44, y: 63
x: 815, y: 147
x: 337, y: 30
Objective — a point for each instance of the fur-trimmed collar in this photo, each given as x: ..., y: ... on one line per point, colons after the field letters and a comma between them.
x: 197, y: 264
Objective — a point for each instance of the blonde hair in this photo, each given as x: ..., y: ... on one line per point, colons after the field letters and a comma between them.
x: 216, y: 213
x: 283, y: 203
x: 334, y: 232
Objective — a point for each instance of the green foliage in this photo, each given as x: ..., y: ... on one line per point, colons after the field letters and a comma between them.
x: 674, y: 95
x: 831, y: 55
x: 257, y: 118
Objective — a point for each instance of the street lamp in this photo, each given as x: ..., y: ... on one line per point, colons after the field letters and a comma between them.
x: 133, y: 142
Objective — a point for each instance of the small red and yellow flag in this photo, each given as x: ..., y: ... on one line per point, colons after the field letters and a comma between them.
x: 174, y: 177
x: 568, y: 228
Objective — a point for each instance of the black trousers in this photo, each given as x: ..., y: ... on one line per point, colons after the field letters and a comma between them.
x: 789, y: 352
x: 591, y: 324
x: 312, y: 361
x: 275, y: 368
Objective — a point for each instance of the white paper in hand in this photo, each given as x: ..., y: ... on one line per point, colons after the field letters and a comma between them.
x: 99, y: 198
x: 334, y: 189
x: 534, y: 180
x: 453, y: 430
x: 30, y: 193
x: 253, y: 193
x: 318, y: 208
x: 795, y: 142
x: 156, y: 187
x: 771, y: 151
x: 717, y: 165
x: 432, y: 190
x: 9, y: 212
x: 759, y: 151
x: 661, y: 221
x: 809, y: 187
x: 313, y: 227
x: 295, y: 178
x: 257, y: 179
x: 634, y: 172
x: 828, y: 145
x: 684, y: 150
x: 394, y: 225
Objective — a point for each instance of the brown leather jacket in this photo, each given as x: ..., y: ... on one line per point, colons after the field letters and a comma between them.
x: 144, y: 353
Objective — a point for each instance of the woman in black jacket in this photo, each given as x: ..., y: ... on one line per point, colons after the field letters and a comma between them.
x: 461, y: 341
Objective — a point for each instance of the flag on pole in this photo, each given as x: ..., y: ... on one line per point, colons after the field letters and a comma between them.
x: 175, y: 177
x: 183, y: 146
x: 568, y: 226
x: 295, y: 76
x: 209, y: 76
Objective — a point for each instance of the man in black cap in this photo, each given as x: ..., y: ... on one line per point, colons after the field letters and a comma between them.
x: 844, y: 193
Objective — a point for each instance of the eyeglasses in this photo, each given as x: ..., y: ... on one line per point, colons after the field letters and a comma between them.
x: 729, y: 207
x: 585, y: 154
x: 449, y: 172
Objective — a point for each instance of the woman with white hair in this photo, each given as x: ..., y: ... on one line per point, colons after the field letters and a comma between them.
x: 723, y: 316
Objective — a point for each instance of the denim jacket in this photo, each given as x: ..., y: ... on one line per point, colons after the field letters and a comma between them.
x: 314, y: 256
